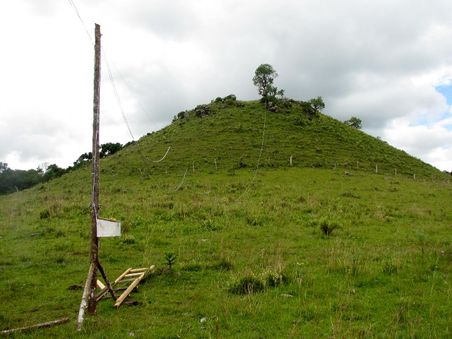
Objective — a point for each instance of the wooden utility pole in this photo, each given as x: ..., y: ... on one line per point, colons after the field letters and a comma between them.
x: 94, y: 253
x: 88, y: 298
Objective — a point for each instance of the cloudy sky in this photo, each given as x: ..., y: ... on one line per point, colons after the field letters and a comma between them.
x: 387, y: 62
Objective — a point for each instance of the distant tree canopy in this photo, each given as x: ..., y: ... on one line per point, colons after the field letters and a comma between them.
x: 53, y: 171
x: 16, y: 180
x: 354, y: 122
x: 3, y: 166
x: 317, y: 103
x: 263, y: 80
x: 109, y: 148
x: 83, y: 158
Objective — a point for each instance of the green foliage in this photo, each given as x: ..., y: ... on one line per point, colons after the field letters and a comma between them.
x: 109, y: 148
x: 327, y: 227
x: 3, y: 167
x: 53, y: 171
x: 83, y: 159
x: 371, y: 278
x: 263, y: 80
x: 17, y: 180
x: 170, y: 259
x: 354, y: 122
x: 317, y: 103
x: 276, y: 278
x: 247, y: 285
x: 44, y: 214
x: 388, y: 243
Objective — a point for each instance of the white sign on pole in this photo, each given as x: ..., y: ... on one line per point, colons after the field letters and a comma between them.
x: 108, y: 228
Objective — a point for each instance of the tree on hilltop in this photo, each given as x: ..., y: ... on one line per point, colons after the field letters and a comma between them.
x: 263, y: 79
x: 317, y: 103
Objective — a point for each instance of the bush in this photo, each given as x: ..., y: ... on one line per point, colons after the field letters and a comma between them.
x: 128, y: 239
x: 230, y: 97
x: 202, y: 110
x: 328, y: 228
x: 44, y: 214
x: 247, y: 285
x: 223, y: 265
x: 274, y: 279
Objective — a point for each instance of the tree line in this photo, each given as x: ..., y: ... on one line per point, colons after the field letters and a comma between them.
x: 13, y: 180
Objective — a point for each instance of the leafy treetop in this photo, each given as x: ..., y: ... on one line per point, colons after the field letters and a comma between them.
x: 263, y: 79
x: 354, y: 122
x: 317, y: 103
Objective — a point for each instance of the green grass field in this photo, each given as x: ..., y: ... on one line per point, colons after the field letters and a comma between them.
x: 252, y: 256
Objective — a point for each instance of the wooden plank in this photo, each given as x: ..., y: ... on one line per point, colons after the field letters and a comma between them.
x: 102, y: 272
x: 85, y: 296
x: 143, y: 269
x: 128, y: 280
x: 125, y: 294
x: 33, y: 327
x: 130, y: 275
x: 134, y: 284
x: 118, y: 279
x: 100, y: 284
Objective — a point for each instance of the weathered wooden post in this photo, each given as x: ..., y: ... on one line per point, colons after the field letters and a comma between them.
x: 95, y: 174
x: 88, y: 297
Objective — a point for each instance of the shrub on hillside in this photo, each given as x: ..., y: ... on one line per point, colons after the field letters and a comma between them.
x: 327, y: 227
x: 202, y: 111
x: 229, y: 100
x: 247, y: 285
x: 274, y: 279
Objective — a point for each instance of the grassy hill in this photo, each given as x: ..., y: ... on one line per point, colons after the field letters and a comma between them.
x: 326, y: 248
x: 232, y: 134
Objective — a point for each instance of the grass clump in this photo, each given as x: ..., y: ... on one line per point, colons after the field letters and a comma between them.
x: 222, y: 265
x: 128, y: 239
x: 170, y: 259
x: 247, y: 285
x: 44, y: 214
x: 275, y: 279
x: 327, y: 227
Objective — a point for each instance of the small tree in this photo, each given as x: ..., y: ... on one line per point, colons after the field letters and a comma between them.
x: 53, y: 171
x: 3, y: 166
x: 317, y: 103
x: 263, y: 79
x: 109, y: 148
x: 170, y: 259
x: 354, y: 122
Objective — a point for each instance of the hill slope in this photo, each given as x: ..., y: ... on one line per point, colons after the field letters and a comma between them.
x: 280, y: 252
x: 230, y: 135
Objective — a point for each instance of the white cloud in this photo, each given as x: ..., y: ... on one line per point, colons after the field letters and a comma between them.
x: 378, y: 60
x: 432, y: 143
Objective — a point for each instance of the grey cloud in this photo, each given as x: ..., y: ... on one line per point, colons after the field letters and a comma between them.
x: 352, y: 54
x: 171, y: 20
x: 361, y: 57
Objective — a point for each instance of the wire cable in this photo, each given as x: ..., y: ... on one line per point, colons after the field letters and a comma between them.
x: 115, y: 90
x: 167, y: 151
x: 74, y: 6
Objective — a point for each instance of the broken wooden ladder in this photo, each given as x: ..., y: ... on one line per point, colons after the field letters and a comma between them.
x: 133, y: 275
